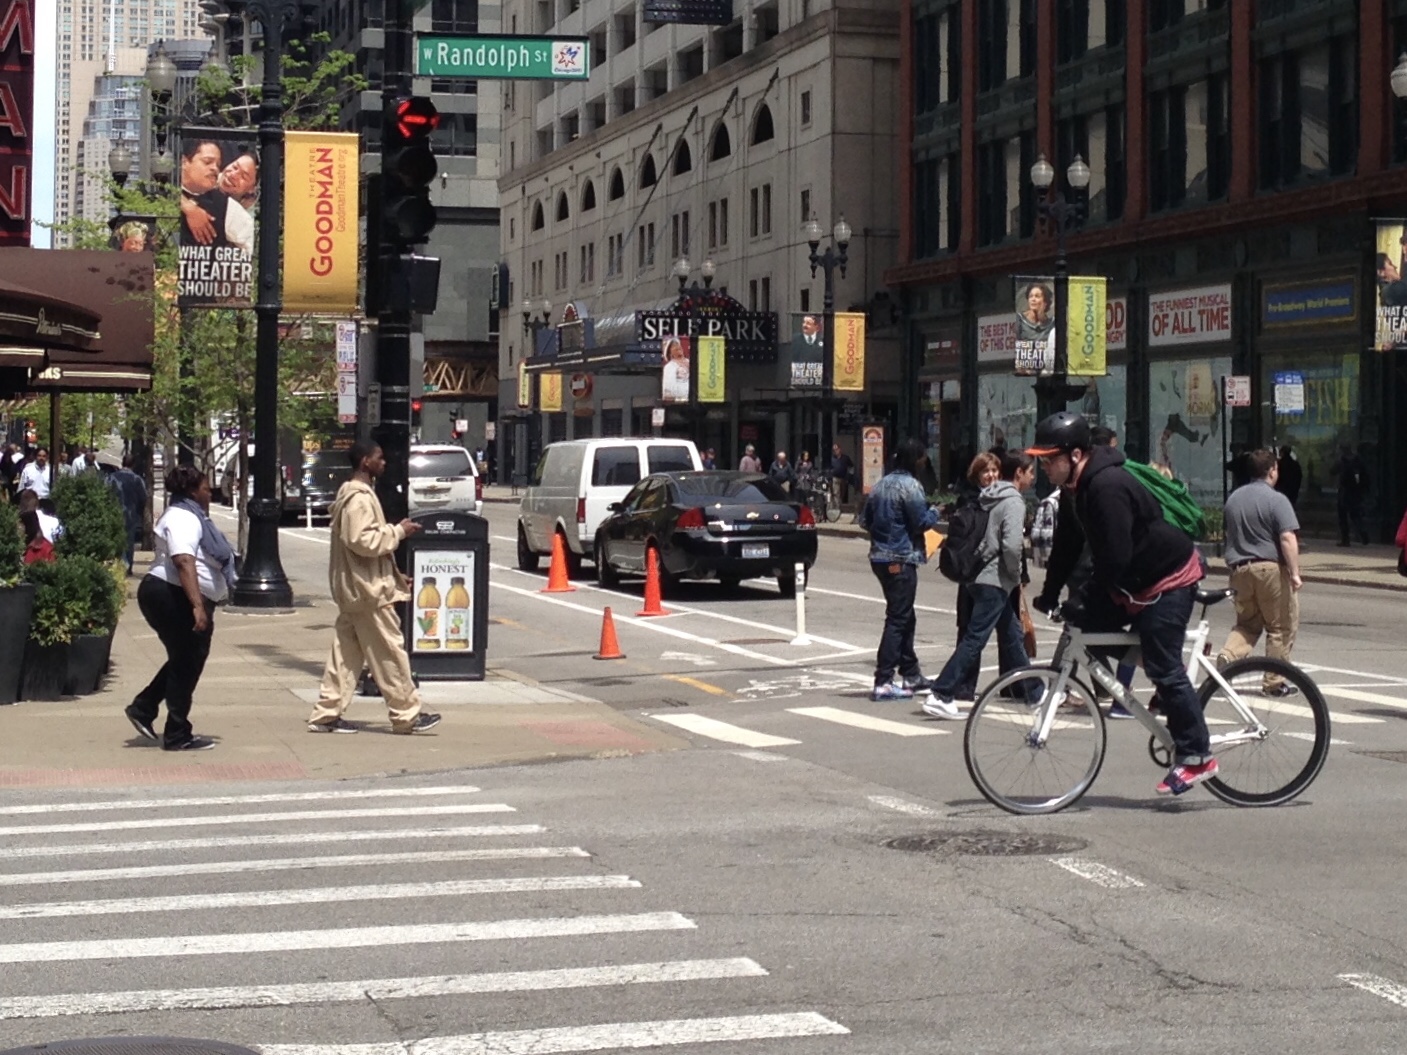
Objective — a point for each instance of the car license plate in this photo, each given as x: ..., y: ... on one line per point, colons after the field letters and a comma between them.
x: 756, y: 550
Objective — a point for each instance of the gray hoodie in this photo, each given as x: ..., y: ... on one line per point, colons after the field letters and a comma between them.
x: 1004, y: 542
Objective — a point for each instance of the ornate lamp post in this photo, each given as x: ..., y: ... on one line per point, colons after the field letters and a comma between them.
x: 691, y: 295
x: 537, y: 314
x: 834, y: 259
x: 1053, y: 391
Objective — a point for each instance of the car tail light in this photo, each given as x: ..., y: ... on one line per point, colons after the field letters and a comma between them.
x: 581, y: 511
x: 691, y: 518
x: 478, y: 488
x: 806, y: 519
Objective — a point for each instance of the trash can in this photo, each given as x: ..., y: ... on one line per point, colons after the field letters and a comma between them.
x: 447, y: 625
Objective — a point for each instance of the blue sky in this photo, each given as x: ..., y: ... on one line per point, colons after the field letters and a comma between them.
x: 46, y: 32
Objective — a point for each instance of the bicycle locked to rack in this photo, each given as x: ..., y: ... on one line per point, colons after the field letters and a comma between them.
x: 1040, y: 756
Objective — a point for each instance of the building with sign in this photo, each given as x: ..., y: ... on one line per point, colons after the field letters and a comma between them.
x: 1241, y: 160
x: 697, y: 143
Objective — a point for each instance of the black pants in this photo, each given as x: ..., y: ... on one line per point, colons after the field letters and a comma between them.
x: 896, y: 643
x: 167, y: 610
x: 1350, y: 509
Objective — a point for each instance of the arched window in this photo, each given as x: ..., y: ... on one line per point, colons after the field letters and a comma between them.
x: 722, y: 144
x: 563, y: 210
x: 648, y: 176
x: 762, y: 125
x: 588, y: 197
x: 617, y: 188
x: 538, y: 221
x: 683, y: 158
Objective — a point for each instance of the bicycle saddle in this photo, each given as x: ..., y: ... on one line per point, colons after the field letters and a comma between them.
x: 1206, y: 597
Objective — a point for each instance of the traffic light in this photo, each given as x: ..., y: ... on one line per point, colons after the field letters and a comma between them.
x: 407, y: 167
x: 416, y: 406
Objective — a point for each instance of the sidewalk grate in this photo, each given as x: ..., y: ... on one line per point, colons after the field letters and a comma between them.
x: 986, y: 844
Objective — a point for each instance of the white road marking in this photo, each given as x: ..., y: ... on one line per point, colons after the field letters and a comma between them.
x: 1310, y: 737
x: 790, y: 686
x: 865, y: 721
x: 615, y: 1036
x: 314, y: 896
x: 259, y: 818
x: 320, y: 539
x: 889, y: 802
x: 1364, y: 697
x: 873, y: 599
x: 290, y: 864
x: 275, y: 839
x: 239, y: 800
x: 1383, y: 987
x: 716, y: 730
x: 227, y: 997
x: 1101, y: 875
x: 761, y: 756
x: 340, y: 938
x: 1390, y: 679
x: 692, y: 658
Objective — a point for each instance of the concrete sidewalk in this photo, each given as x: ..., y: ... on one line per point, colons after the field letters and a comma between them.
x: 254, y: 700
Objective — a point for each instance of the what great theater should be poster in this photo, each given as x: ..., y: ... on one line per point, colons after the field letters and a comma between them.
x: 219, y: 201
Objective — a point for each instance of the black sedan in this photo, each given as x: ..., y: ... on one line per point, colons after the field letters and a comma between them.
x: 727, y: 526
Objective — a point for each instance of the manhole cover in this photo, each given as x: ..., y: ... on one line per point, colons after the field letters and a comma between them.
x: 1386, y: 756
x: 986, y: 844
x: 132, y: 1046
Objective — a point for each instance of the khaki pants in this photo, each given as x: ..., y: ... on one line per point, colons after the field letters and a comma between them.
x: 373, y: 638
x: 1265, y: 600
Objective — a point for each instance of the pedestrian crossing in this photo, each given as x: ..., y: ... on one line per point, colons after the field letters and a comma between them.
x: 238, y: 928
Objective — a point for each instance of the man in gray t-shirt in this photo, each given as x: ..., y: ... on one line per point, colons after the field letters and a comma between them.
x: 1262, y: 551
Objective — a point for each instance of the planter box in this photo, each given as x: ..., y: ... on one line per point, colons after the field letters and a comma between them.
x: 88, y: 656
x: 45, y: 672
x: 16, y: 607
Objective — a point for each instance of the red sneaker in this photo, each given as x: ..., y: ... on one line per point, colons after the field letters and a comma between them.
x: 1182, y: 778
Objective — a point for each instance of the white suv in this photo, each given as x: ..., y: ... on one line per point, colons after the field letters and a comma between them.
x: 444, y: 478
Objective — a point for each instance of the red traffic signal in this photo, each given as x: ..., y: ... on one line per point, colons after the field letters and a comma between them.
x: 416, y: 405
x: 415, y: 117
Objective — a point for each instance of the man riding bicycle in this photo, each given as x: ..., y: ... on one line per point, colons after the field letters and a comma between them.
x: 1145, y: 576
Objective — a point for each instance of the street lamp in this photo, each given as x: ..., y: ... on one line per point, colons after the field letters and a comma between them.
x: 832, y: 260
x: 119, y: 162
x: 537, y: 314
x: 1064, y: 215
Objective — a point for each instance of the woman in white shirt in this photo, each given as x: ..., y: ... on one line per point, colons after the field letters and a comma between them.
x: 191, y: 572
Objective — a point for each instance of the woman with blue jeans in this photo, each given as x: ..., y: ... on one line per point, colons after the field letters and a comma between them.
x: 993, y: 591
x: 896, y: 514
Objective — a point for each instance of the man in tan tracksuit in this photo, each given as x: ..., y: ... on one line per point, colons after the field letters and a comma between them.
x: 366, y: 584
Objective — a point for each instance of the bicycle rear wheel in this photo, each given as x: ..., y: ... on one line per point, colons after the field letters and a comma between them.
x: 1274, y: 766
x: 830, y: 509
x: 1012, y: 770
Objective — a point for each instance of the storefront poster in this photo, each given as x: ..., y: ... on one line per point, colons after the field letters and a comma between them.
x: 674, y: 370
x: 808, y: 351
x: 848, y: 369
x: 1184, y: 405
x: 1086, y: 327
x: 219, y: 174
x: 1309, y: 304
x: 525, y: 386
x: 1392, y: 287
x: 442, y: 585
x: 996, y: 336
x: 711, y: 361
x: 320, y: 233
x: 1034, y: 344
x: 1189, y: 316
x: 1116, y: 323
x: 871, y: 456
x: 550, y: 393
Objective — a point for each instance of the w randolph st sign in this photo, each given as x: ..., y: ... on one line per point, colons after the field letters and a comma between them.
x: 509, y: 57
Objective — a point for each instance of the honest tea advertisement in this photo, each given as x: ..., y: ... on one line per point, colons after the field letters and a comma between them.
x: 441, y: 598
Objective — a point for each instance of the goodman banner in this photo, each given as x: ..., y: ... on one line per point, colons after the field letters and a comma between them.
x: 320, y: 222
x: 219, y: 200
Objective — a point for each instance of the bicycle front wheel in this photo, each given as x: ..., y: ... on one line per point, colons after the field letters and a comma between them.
x: 830, y: 510
x: 1012, y: 768
x: 1271, y: 762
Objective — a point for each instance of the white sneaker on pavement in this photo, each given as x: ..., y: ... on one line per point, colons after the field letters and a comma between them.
x: 938, y: 707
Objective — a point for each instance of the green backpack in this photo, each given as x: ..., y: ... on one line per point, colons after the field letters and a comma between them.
x: 1179, y: 508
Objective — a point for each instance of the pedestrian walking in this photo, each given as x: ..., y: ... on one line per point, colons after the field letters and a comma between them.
x: 35, y: 475
x: 131, y: 494
x: 191, y: 572
x: 984, y: 470
x: 842, y: 471
x: 709, y: 459
x: 781, y: 472
x: 896, y: 514
x: 366, y: 586
x: 1353, y: 483
x: 1262, y: 551
x: 750, y: 462
x: 1291, y: 476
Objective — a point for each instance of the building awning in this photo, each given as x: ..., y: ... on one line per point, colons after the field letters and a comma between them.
x: 33, y: 323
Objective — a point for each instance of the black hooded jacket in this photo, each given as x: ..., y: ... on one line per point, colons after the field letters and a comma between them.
x: 1133, y: 546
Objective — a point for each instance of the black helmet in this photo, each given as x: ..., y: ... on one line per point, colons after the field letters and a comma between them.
x: 1063, y: 431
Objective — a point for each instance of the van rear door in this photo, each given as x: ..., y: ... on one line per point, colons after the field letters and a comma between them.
x: 613, y: 470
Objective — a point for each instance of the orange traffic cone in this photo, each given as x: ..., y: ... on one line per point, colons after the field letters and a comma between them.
x: 557, y: 581
x: 610, y: 648
x: 652, y: 584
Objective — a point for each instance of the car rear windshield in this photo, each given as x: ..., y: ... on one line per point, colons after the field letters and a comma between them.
x: 669, y: 459
x: 615, y: 467
x: 732, y: 488
x: 440, y: 463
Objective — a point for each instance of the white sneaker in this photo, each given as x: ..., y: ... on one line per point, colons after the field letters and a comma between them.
x: 937, y: 707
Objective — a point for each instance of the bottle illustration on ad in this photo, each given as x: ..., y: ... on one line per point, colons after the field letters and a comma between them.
x: 427, y: 616
x: 444, y: 606
x: 457, y: 615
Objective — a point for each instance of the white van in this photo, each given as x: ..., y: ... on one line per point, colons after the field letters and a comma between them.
x: 575, y: 482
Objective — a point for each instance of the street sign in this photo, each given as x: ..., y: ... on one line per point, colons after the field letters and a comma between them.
x: 1289, y: 392
x: 689, y: 12
x: 346, y: 399
x: 1238, y: 391
x: 373, y: 403
x: 523, y: 58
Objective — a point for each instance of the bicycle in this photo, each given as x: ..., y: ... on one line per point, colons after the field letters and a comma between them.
x: 1010, y: 751
x: 821, y: 506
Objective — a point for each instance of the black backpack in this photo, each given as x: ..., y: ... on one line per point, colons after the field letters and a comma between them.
x: 958, y: 558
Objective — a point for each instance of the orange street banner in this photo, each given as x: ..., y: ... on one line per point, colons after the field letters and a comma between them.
x: 848, y: 369
x: 320, y: 222
x: 549, y: 393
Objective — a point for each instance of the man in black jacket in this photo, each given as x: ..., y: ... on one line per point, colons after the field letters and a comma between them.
x: 1145, y: 572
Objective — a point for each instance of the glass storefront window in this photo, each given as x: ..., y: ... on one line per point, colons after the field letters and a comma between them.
x: 1185, y: 422
x: 1329, y: 419
x: 1105, y: 401
x: 1006, y: 405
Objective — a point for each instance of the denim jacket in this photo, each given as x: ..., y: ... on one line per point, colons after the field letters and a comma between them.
x: 896, y: 515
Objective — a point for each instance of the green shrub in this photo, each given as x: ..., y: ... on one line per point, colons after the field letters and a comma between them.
x: 11, y: 545
x: 62, y: 601
x: 92, y: 518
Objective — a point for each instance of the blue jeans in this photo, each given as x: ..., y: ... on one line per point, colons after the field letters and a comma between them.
x: 896, y: 642
x: 991, y: 610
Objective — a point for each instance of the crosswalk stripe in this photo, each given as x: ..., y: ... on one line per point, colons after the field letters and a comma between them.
x: 228, y: 997
x: 1362, y: 697
x: 865, y: 721
x: 285, y: 864
x: 259, y: 818
x: 615, y: 1035
x: 716, y: 730
x: 211, y: 842
x: 341, y: 938
x: 314, y: 896
x: 338, y: 795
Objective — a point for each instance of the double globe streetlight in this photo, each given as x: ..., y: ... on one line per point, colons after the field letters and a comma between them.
x: 1053, y: 392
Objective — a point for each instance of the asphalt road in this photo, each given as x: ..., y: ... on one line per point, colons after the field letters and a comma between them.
x: 801, y: 887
